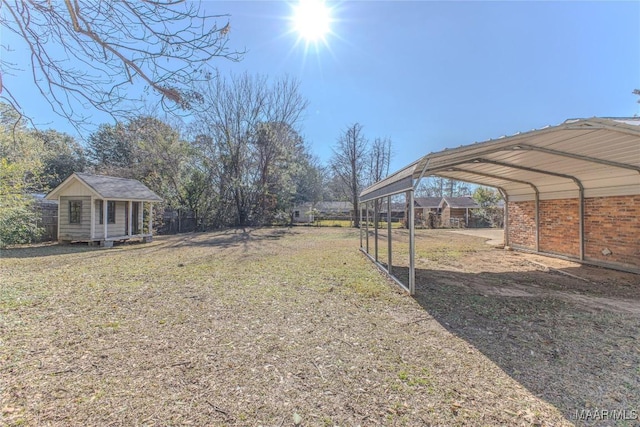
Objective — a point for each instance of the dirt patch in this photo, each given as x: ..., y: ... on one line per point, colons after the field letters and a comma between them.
x: 493, y: 236
x: 255, y: 327
x: 567, y: 332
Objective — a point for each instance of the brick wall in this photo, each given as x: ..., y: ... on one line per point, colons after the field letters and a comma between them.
x: 560, y: 226
x: 613, y: 223
x: 522, y: 224
x: 445, y: 216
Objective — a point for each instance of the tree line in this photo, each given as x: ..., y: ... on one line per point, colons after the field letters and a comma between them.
x: 241, y: 160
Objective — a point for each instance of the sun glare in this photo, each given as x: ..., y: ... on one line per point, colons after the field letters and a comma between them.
x: 311, y: 20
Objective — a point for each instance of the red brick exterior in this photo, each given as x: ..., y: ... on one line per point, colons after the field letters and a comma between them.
x: 522, y: 224
x: 445, y: 216
x: 610, y: 224
x: 613, y: 223
x: 449, y: 213
x: 560, y: 226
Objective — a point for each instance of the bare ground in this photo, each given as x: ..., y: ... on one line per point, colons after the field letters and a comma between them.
x: 254, y: 327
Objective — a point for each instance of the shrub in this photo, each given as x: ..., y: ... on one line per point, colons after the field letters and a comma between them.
x: 18, y: 222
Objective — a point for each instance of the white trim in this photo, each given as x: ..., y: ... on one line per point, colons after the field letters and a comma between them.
x: 129, y: 218
x: 59, y: 215
x: 55, y: 193
x: 93, y: 218
x: 105, y: 217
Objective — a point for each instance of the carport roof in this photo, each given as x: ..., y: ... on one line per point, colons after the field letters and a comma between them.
x: 598, y: 156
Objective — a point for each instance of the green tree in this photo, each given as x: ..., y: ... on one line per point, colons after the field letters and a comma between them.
x: 110, y: 147
x: 20, y: 171
x: 310, y: 179
x: 161, y: 158
x: 488, y: 199
x: 31, y: 162
x: 63, y: 155
x: 18, y: 220
x: 148, y: 149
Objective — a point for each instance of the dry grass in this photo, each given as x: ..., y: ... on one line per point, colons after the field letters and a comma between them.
x: 255, y: 327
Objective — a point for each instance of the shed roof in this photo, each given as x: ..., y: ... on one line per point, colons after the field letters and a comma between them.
x: 109, y: 187
x: 597, y: 156
x: 428, y: 202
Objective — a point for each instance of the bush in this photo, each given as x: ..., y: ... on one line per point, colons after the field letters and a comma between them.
x: 18, y: 223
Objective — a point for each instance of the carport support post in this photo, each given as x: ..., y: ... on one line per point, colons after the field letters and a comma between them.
x: 581, y: 221
x: 506, y: 216
x: 412, y: 245
x: 389, y: 263
x: 375, y: 227
x: 366, y: 225
x: 360, y: 222
x: 537, y: 218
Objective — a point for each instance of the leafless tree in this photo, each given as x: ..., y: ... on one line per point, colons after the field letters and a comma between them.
x: 88, y: 54
x: 436, y: 186
x: 379, y: 162
x: 379, y: 159
x: 349, y: 162
x: 251, y: 143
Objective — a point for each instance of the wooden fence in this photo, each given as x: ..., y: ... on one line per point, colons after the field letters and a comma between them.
x: 47, y: 219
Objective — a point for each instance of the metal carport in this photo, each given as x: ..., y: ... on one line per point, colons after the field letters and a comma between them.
x: 595, y: 158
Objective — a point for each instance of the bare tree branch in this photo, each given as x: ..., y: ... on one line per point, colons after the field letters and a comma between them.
x: 104, y: 55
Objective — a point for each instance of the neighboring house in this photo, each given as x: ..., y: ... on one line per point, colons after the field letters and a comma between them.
x: 427, y: 211
x: 397, y: 211
x: 456, y: 211
x: 99, y: 208
x: 334, y: 208
x: 303, y: 213
x: 307, y: 212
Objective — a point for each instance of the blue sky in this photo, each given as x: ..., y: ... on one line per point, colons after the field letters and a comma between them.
x: 435, y: 75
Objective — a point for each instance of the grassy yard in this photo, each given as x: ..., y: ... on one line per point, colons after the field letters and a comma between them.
x: 347, y: 223
x: 256, y: 327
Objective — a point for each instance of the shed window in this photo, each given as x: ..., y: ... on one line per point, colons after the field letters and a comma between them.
x: 296, y: 214
x: 111, y: 212
x: 75, y: 211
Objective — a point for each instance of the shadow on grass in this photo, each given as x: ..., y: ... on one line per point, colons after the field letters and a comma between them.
x: 575, y: 347
x: 233, y: 237
x: 46, y: 249
x: 224, y: 239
